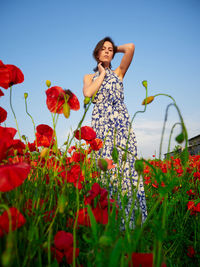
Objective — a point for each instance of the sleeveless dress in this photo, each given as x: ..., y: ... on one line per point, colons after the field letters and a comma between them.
x: 111, y: 122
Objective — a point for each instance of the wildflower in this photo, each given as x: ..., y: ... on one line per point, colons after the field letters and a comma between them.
x: 86, y: 133
x: 63, y: 243
x: 10, y: 75
x: 17, y: 220
x: 190, y: 252
x: 96, y: 144
x: 141, y: 259
x: 44, y: 135
x: 13, y: 175
x: 1, y: 93
x: 3, y: 115
x: 148, y: 100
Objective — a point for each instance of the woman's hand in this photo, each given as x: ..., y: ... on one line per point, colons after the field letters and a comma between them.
x: 101, y: 69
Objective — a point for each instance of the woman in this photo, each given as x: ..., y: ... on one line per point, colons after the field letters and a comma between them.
x: 111, y: 121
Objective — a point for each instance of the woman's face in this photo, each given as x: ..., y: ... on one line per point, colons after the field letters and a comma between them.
x: 106, y: 53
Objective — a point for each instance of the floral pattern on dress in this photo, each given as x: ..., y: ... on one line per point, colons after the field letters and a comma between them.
x: 110, y: 120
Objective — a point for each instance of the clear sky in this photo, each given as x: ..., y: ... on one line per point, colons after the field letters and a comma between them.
x: 54, y: 40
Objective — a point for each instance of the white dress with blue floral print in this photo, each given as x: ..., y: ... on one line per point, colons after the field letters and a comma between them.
x: 111, y: 121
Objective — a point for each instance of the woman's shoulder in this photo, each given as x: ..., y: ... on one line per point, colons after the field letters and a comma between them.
x: 89, y: 76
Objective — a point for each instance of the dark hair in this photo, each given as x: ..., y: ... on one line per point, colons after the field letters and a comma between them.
x: 99, y: 47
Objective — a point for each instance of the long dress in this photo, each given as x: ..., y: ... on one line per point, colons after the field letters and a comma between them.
x: 110, y: 120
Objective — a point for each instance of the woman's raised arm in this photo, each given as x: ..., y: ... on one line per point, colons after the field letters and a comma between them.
x: 128, y: 50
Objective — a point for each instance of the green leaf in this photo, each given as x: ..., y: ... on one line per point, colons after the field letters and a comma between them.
x: 93, y: 223
x: 116, y: 254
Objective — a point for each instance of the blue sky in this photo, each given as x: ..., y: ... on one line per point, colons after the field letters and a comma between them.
x: 54, y: 40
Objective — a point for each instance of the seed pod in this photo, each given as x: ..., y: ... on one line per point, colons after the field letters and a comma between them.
x: 66, y: 110
x: 148, y: 100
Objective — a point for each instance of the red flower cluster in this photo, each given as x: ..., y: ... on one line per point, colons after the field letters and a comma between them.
x: 63, y: 247
x: 12, y: 175
x: 193, y: 209
x: 56, y: 97
x: 100, y: 210
x: 11, y: 218
x: 10, y: 75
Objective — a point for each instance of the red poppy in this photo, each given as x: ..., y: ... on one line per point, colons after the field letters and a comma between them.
x: 73, y: 100
x: 44, y: 135
x: 83, y: 217
x: 141, y: 260
x: 7, y: 132
x: 86, y: 133
x: 75, y: 176
x: 96, y: 144
x: 17, y: 220
x: 13, y: 175
x: 77, y: 157
x: 63, y: 242
x: 10, y: 75
x: 190, y: 252
x: 1, y: 93
x: 56, y: 99
x: 3, y: 115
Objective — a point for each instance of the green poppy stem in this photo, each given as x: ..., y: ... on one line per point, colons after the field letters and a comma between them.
x: 14, y: 113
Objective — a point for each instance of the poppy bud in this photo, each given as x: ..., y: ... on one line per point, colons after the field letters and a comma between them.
x: 115, y: 154
x: 148, y: 100
x: 103, y: 164
x: 139, y: 166
x: 44, y: 152
x: 66, y: 110
x: 105, y: 241
x: 180, y: 138
x: 48, y: 83
x: 25, y: 95
x: 86, y: 100
x: 144, y: 83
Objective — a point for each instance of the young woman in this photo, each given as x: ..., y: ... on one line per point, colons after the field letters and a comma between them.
x: 111, y: 121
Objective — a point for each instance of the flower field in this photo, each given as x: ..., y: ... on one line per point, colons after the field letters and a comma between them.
x: 56, y: 211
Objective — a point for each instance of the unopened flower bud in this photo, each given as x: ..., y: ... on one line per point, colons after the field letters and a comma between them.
x: 66, y: 110
x: 86, y: 100
x: 25, y: 95
x: 148, y: 100
x: 180, y: 138
x: 103, y: 164
x: 44, y: 152
x: 48, y: 83
x: 144, y: 83
x: 139, y: 166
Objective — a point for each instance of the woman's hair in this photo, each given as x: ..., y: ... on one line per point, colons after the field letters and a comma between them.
x: 99, y: 47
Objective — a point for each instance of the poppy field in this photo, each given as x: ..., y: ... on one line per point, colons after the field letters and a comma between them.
x: 55, y: 209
